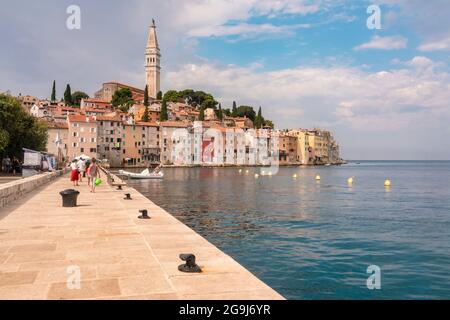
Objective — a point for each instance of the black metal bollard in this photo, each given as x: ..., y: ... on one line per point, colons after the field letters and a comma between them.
x: 119, y: 187
x: 190, y: 266
x: 144, y: 215
x: 69, y: 198
x: 127, y: 196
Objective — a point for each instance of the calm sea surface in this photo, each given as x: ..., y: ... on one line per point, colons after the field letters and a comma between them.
x: 315, y: 240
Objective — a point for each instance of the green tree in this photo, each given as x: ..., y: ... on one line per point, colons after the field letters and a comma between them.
x: 164, y: 115
x: 246, y: 111
x: 201, y: 116
x: 220, y: 113
x: 4, y: 140
x: 159, y: 96
x: 269, y: 123
x: 209, y: 103
x: 171, y: 96
x: 234, y: 112
x: 77, y: 96
x: 146, y: 116
x: 122, y: 99
x: 146, y: 102
x: 259, y: 120
x: 18, y: 129
x: 68, y: 95
x: 53, y: 98
x: 226, y: 112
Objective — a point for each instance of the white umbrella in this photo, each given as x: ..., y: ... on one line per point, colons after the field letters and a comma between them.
x: 83, y: 156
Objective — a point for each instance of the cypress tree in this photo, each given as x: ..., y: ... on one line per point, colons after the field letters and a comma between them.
x: 164, y: 116
x: 220, y: 112
x: 159, y: 96
x: 68, y: 95
x: 146, y: 102
x: 53, y: 98
x: 234, y: 110
x: 259, y: 119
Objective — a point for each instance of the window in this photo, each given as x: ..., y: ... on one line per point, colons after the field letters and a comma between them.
x: 93, y: 150
x: 82, y: 149
x: 92, y: 139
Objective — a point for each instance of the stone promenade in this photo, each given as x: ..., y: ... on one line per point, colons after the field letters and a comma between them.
x: 118, y: 256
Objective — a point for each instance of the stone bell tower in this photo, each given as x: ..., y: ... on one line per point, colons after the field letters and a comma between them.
x: 153, y: 62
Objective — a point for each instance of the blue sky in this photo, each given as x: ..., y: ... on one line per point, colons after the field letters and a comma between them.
x: 309, y: 63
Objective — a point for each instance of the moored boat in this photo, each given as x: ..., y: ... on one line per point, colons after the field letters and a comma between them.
x: 146, y: 174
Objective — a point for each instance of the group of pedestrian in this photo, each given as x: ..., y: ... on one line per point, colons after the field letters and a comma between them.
x: 82, y: 168
x: 11, y: 165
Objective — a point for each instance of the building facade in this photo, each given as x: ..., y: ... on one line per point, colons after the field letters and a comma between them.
x: 82, y: 136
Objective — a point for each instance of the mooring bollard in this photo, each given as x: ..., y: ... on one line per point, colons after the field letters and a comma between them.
x: 119, y: 187
x: 127, y: 196
x: 190, y: 266
x: 69, y: 198
x: 144, y: 214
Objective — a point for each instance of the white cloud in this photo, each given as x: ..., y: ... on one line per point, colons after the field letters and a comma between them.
x: 442, y: 44
x: 246, y: 30
x: 384, y: 43
x: 307, y: 96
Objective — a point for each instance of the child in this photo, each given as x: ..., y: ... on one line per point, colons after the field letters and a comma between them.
x: 94, y: 173
x: 74, y: 173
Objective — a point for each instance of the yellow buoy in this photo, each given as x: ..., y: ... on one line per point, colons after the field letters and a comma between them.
x: 317, y: 178
x: 256, y: 176
x: 295, y: 176
x: 387, y: 183
x: 240, y: 170
x: 350, y: 180
x: 270, y: 173
x: 263, y: 172
x: 246, y: 171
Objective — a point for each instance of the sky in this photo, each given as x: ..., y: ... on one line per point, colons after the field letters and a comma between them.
x: 384, y: 93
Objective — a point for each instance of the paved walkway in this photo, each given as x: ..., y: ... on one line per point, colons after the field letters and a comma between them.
x: 118, y: 255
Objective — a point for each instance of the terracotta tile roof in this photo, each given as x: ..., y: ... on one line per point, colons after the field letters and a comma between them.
x: 147, y: 124
x: 108, y: 118
x: 125, y: 85
x: 57, y: 125
x: 99, y: 101
x: 80, y: 118
x: 175, y: 124
x: 95, y: 110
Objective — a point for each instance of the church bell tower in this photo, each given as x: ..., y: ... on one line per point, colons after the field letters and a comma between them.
x: 153, y: 63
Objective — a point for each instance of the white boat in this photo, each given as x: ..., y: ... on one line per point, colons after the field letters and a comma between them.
x: 146, y: 174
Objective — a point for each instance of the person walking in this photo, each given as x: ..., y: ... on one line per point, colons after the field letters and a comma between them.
x: 74, y: 173
x: 94, y: 173
x: 81, y: 169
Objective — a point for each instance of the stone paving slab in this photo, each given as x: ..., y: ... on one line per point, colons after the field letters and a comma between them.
x: 118, y: 255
